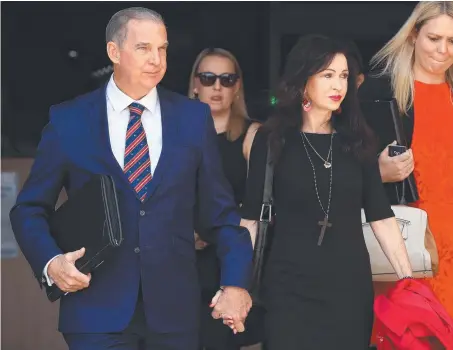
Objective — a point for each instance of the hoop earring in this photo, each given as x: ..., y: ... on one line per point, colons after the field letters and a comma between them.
x: 337, y: 111
x: 306, y: 104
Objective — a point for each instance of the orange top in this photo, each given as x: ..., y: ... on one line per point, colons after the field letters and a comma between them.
x: 432, y: 147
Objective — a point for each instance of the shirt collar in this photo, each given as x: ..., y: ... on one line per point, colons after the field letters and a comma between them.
x: 120, y: 101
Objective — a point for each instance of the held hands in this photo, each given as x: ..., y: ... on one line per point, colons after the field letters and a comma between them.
x: 66, y: 276
x: 395, y: 169
x: 232, y: 304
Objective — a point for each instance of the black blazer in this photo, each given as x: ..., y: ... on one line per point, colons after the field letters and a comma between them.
x: 380, y: 89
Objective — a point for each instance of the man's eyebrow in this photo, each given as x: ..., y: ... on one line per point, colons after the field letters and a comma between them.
x: 142, y: 43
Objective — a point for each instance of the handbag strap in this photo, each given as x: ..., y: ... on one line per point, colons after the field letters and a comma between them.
x: 401, y: 199
x: 404, y: 139
x: 267, y: 205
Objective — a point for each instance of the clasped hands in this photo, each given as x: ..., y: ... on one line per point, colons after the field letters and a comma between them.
x: 232, y: 304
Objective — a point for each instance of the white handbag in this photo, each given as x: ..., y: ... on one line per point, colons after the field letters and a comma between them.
x: 420, y: 245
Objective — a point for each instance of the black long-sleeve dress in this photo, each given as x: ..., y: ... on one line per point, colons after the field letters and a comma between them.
x: 317, y: 297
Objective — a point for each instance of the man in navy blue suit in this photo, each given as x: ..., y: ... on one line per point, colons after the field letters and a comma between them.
x: 161, y: 150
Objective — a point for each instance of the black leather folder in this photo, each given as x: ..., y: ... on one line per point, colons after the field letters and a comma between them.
x: 89, y: 218
x: 384, y: 118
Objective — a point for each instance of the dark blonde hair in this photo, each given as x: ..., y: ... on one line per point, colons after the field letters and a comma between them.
x: 397, y: 56
x: 238, y: 115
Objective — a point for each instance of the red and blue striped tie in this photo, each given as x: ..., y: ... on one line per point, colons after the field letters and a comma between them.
x: 137, y: 163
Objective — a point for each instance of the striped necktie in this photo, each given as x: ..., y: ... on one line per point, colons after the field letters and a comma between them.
x: 137, y: 163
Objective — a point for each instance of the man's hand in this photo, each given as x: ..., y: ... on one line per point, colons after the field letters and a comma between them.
x: 395, y: 169
x: 199, y: 243
x: 63, y: 272
x: 232, y: 305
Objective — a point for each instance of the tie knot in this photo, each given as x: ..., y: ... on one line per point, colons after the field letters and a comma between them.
x: 136, y: 109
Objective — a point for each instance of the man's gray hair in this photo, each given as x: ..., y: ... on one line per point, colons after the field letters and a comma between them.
x: 116, y: 30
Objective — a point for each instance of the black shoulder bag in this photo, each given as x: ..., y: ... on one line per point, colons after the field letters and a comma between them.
x: 264, y: 234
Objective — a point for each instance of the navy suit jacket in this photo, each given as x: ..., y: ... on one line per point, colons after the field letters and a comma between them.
x: 74, y: 145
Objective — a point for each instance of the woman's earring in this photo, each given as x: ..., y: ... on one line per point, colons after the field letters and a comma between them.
x: 195, y: 95
x: 306, y: 104
x: 337, y: 111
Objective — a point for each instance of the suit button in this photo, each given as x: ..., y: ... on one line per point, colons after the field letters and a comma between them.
x: 137, y: 250
x: 142, y: 213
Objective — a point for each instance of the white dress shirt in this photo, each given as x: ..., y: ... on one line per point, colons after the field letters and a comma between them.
x: 118, y: 116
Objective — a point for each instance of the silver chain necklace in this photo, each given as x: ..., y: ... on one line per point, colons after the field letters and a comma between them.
x: 327, y: 164
x: 324, y: 223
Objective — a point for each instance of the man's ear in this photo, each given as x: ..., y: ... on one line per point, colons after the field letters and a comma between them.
x: 113, y: 51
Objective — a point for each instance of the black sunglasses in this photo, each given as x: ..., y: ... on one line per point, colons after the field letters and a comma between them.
x: 226, y: 79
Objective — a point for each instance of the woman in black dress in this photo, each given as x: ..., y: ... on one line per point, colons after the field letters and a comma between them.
x: 216, y: 80
x: 318, y: 287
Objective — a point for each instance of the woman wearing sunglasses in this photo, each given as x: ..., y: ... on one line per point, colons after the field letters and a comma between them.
x: 216, y: 80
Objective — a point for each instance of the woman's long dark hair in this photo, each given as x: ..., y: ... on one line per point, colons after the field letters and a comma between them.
x: 312, y: 54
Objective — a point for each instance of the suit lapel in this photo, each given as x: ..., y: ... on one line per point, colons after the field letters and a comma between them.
x: 169, y: 136
x: 100, y: 135
x: 103, y: 151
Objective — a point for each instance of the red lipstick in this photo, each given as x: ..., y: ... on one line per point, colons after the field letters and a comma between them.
x: 335, y: 98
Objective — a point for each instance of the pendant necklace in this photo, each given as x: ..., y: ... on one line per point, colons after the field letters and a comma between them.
x: 328, y: 165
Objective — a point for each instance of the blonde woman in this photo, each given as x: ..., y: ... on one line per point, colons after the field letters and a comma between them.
x: 216, y: 80
x: 416, y: 68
